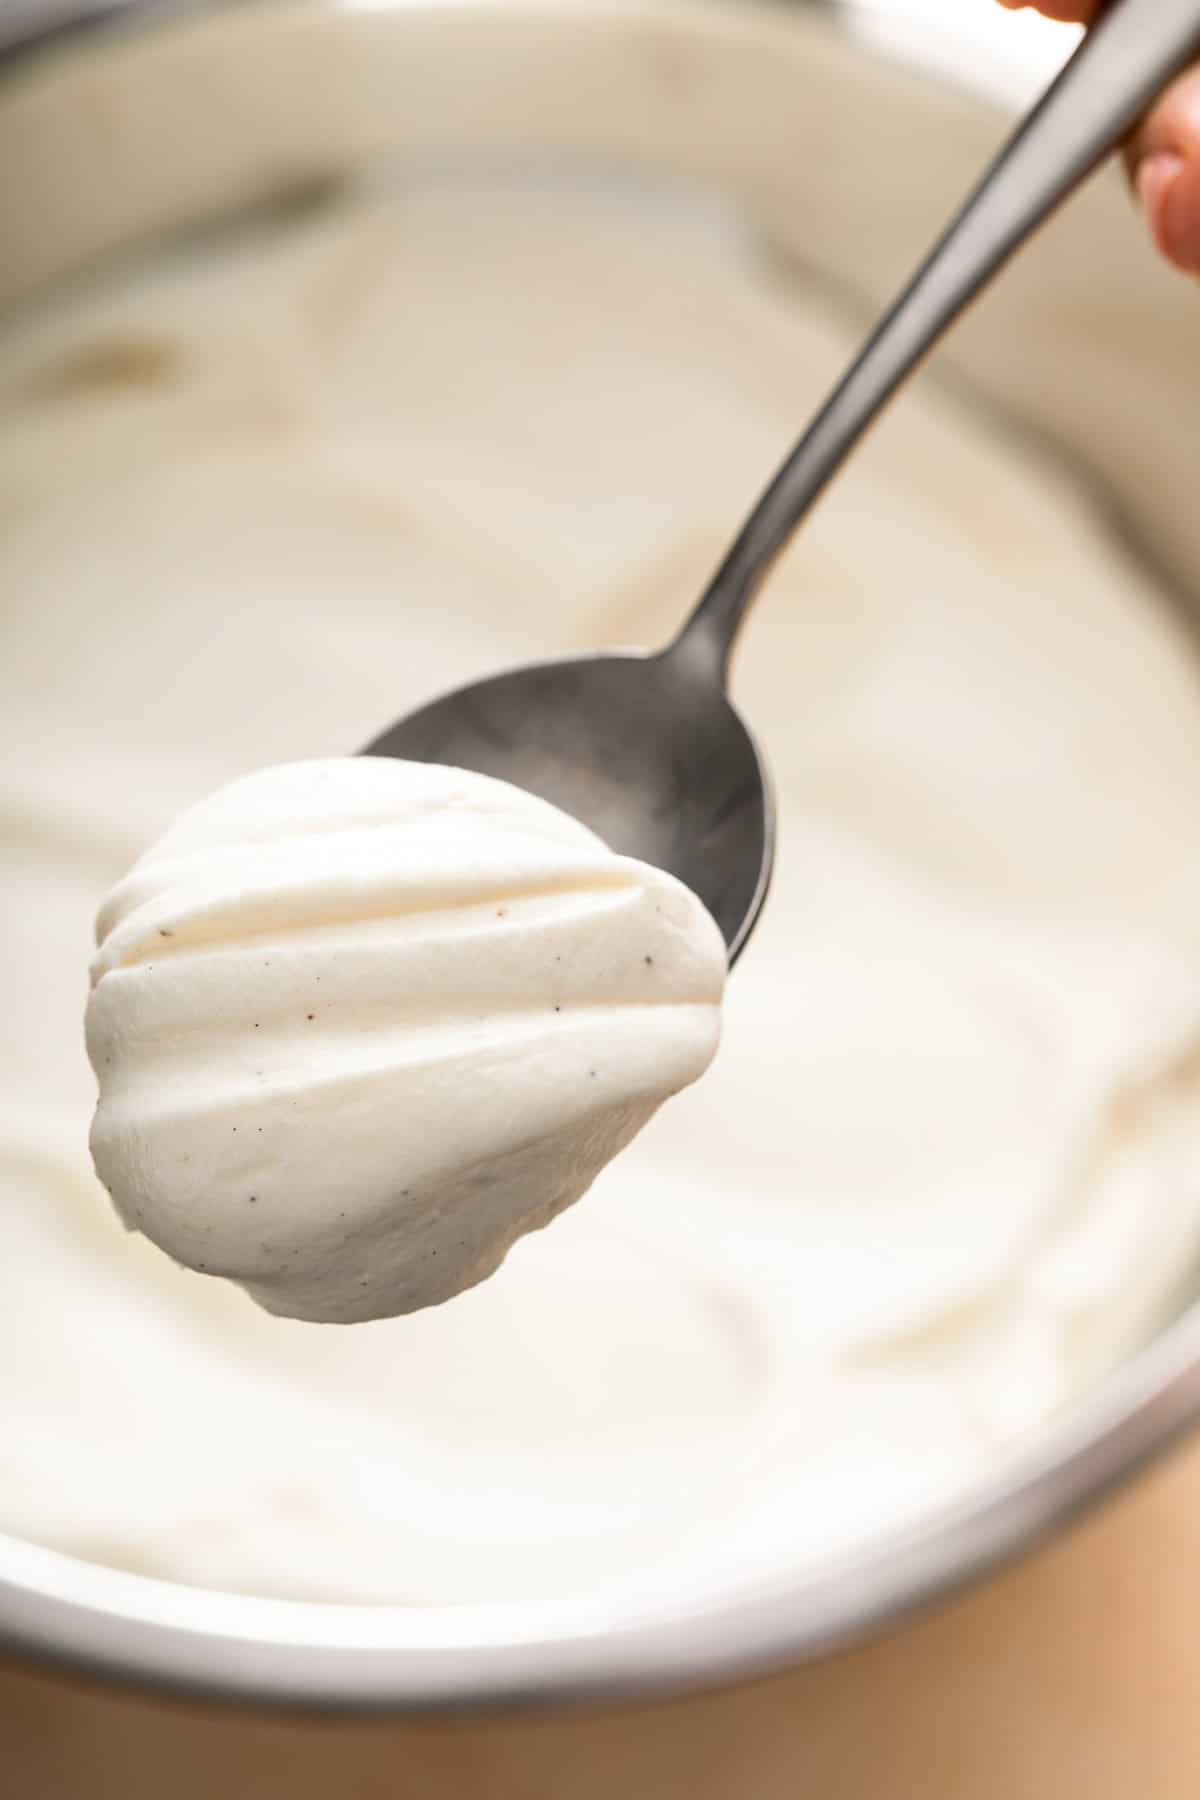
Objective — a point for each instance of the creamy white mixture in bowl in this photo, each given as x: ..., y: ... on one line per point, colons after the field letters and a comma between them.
x: 349, y: 354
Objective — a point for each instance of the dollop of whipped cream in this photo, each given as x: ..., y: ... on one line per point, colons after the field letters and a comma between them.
x: 360, y: 1024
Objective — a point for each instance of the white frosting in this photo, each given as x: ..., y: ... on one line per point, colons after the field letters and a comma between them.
x: 359, y: 1024
x: 258, y: 504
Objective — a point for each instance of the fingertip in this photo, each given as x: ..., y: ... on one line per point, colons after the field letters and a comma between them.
x: 1168, y: 190
x: 1153, y: 179
x: 1063, y: 12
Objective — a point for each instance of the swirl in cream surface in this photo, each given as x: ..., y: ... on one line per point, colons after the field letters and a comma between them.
x: 259, y: 500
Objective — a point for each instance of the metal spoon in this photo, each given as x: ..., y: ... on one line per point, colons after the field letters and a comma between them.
x: 646, y: 748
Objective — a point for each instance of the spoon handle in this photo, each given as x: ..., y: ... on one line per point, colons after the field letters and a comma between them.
x: 1125, y: 60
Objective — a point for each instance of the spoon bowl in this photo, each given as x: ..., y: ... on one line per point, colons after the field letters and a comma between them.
x: 646, y: 749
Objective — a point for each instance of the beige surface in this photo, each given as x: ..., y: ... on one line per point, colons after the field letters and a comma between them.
x: 1074, y: 1675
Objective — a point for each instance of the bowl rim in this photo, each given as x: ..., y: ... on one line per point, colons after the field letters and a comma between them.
x: 61, y: 1611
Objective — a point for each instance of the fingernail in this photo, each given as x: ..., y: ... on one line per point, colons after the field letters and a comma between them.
x: 1173, y: 219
